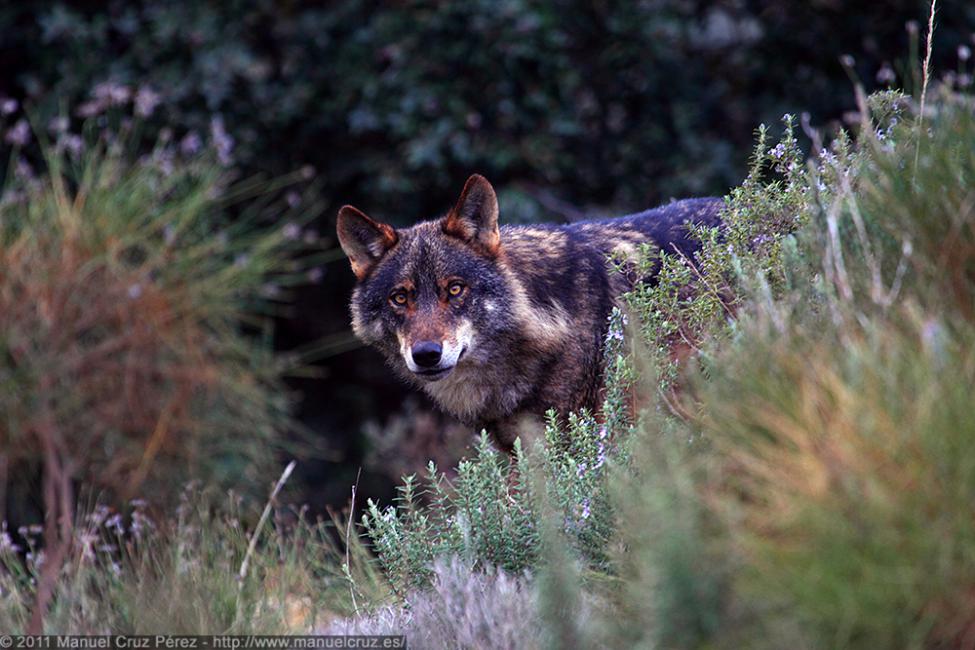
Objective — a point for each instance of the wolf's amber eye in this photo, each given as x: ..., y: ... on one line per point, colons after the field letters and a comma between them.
x: 455, y: 289
x: 398, y: 298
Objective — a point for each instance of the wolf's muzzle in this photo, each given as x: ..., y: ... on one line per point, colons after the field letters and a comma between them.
x: 426, y: 354
x: 433, y: 360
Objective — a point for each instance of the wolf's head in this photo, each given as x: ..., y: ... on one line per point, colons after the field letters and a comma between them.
x: 435, y: 295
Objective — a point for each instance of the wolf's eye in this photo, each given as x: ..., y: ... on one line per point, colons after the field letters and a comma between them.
x: 398, y: 297
x: 454, y: 289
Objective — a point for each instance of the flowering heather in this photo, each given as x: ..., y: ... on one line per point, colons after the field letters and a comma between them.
x: 131, y: 572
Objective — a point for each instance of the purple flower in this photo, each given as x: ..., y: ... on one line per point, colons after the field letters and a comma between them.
x: 115, y: 522
x: 72, y: 143
x: 98, y: 516
x: 87, y: 540
x: 111, y: 93
x: 58, y: 124
x: 22, y: 169
x: 6, y: 543
x: 166, y: 166
x: 89, y: 109
x: 291, y: 231
x: 886, y: 74
x: 827, y: 156
x: 19, y: 134
x: 600, y: 456
x: 585, y: 509
x: 222, y: 142
x: 146, y: 101
x: 190, y: 144
x: 777, y: 151
x: 316, y: 274
x: 270, y: 290
x: 140, y: 523
x: 8, y: 106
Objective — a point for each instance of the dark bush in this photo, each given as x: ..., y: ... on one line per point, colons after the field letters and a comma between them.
x: 601, y: 103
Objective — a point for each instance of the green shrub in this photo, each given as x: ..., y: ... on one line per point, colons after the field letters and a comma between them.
x: 845, y: 430
x: 134, y: 319
x: 805, y: 480
x: 489, y: 514
x: 811, y: 487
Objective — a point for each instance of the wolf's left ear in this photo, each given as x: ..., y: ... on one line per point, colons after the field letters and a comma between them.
x: 475, y: 217
x: 364, y: 240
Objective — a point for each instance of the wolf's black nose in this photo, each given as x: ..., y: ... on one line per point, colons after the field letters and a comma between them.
x: 426, y: 354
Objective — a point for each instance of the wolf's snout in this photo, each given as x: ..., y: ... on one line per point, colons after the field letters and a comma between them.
x: 426, y: 354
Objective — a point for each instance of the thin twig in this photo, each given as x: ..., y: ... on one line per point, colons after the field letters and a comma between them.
x: 348, y: 536
x: 841, y: 276
x: 925, y: 74
x: 260, y: 523
x: 58, y: 506
x: 694, y: 269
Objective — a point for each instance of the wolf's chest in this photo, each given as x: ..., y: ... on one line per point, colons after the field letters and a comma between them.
x: 472, y: 394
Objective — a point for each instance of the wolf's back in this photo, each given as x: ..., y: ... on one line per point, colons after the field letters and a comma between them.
x: 567, y: 265
x: 666, y: 226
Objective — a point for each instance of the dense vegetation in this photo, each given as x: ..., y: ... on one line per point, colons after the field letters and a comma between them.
x: 784, y: 457
x: 806, y: 481
x: 803, y: 477
x: 610, y: 104
x: 569, y: 108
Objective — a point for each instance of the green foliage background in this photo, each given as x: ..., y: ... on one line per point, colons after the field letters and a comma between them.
x: 609, y: 103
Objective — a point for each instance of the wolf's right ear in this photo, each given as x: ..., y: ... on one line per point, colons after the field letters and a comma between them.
x: 475, y: 217
x: 364, y: 241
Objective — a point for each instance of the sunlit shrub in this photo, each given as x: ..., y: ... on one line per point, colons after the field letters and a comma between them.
x: 134, y: 318
x: 812, y: 489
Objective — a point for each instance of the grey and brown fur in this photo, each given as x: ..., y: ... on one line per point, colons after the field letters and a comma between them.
x: 524, y: 332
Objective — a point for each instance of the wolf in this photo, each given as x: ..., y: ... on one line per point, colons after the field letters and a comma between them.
x: 499, y: 324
